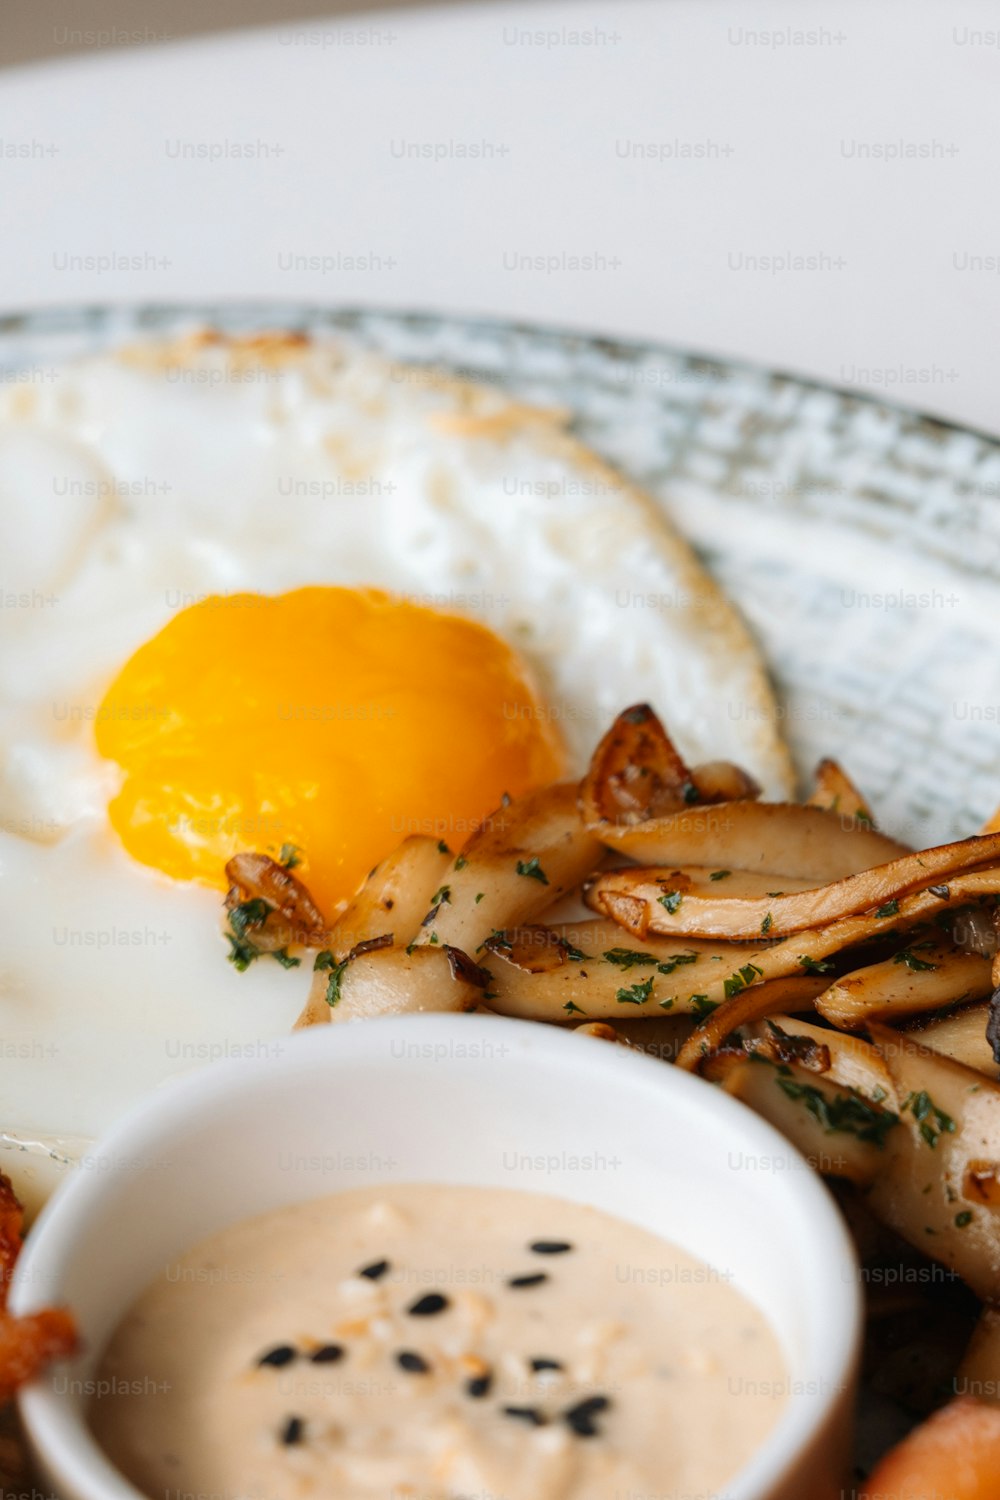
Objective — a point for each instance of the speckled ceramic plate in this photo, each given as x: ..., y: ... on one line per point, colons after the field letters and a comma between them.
x: 861, y: 541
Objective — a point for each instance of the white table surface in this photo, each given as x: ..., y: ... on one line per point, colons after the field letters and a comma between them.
x: 761, y: 125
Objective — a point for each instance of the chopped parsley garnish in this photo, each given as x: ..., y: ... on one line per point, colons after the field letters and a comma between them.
x: 720, y: 874
x: 441, y: 895
x: 765, y: 926
x: 460, y: 862
x: 576, y: 955
x: 964, y: 1219
x: 573, y: 1010
x: 628, y: 958
x: 247, y: 915
x: 533, y: 870
x: 933, y: 1122
x: 443, y: 847
x: 285, y: 959
x: 690, y: 793
x: 814, y: 965
x: 675, y: 960
x: 636, y: 994
x: 325, y: 962
x: 890, y: 909
x: 740, y: 980
x: 864, y: 816
x: 671, y: 900
x: 480, y: 896
x: 290, y: 856
x: 848, y: 1113
x: 909, y: 958
x: 241, y: 955
x: 244, y: 919
x: 703, y: 1006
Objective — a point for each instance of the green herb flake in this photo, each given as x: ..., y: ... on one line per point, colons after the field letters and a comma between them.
x: 290, y: 856
x: 814, y: 965
x: 285, y: 959
x: 932, y: 1122
x: 248, y: 915
x: 636, y: 994
x: 573, y: 1010
x: 628, y: 958
x: 671, y: 900
x: 690, y: 793
x: 720, y: 874
x: 702, y: 1006
x: 964, y: 1219
x: 766, y: 925
x: 890, y: 909
x: 460, y: 862
x: 443, y: 847
x: 241, y: 955
x: 740, y: 980
x: 909, y: 958
x: 847, y: 1113
x: 479, y: 896
x: 533, y: 870
x: 441, y: 895
x: 675, y: 961
x: 575, y: 955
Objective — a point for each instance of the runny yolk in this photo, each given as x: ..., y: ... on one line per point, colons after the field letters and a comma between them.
x: 335, y: 720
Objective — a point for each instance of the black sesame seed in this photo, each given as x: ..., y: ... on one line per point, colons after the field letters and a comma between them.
x: 426, y: 1307
x: 292, y: 1431
x: 328, y: 1355
x: 550, y: 1247
x: 535, y: 1279
x: 414, y: 1363
x: 526, y: 1414
x: 546, y: 1364
x: 581, y: 1416
x: 281, y: 1354
x: 478, y: 1385
x: 375, y: 1271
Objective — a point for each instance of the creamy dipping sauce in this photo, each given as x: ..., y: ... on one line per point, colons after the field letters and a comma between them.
x: 435, y: 1343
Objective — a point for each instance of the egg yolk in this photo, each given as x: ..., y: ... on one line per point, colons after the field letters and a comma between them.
x: 334, y: 720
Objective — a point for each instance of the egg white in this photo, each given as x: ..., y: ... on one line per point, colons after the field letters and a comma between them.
x: 139, y: 482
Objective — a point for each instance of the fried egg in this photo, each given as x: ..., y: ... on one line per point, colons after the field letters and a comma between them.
x: 273, y: 593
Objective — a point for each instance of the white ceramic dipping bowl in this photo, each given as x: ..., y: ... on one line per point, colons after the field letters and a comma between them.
x: 454, y: 1099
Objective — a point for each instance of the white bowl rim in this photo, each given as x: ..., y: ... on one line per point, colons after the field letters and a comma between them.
x: 61, y: 1437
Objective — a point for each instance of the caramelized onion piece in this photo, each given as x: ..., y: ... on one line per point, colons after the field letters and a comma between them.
x: 294, y: 916
x: 750, y: 1003
x: 960, y: 1034
x: 782, y: 839
x: 388, y: 981
x: 637, y: 773
x: 686, y: 901
x: 927, y: 976
x: 542, y: 974
x: 524, y: 857
x: 947, y: 1114
x: 395, y: 896
x: 835, y: 791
